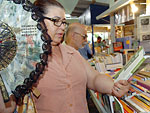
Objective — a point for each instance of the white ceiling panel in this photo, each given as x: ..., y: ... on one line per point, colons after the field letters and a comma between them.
x: 69, y: 5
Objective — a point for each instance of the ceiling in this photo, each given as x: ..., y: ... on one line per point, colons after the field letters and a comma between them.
x: 78, y: 7
x: 82, y: 5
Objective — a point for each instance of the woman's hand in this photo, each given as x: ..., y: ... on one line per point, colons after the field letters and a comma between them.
x: 120, y: 88
x: 8, y: 107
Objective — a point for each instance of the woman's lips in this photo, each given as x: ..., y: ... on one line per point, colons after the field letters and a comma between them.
x: 60, y: 34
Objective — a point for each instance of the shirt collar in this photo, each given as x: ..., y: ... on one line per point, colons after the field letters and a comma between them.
x: 67, y: 50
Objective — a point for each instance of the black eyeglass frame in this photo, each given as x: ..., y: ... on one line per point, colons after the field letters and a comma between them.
x: 56, y: 20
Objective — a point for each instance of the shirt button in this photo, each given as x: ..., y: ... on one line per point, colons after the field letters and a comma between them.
x: 70, y: 105
x: 68, y: 85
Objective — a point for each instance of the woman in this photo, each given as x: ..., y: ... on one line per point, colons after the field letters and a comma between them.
x: 63, y: 85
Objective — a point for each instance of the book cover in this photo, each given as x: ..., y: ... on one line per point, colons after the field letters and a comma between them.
x: 141, y: 104
x: 126, y: 107
x: 145, y: 73
x: 118, y: 108
x: 144, y: 96
x: 131, y: 66
x: 134, y: 106
x: 143, y: 84
x: 106, y: 101
x: 143, y: 99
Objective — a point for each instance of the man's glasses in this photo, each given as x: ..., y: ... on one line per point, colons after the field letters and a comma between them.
x: 57, y: 22
x: 84, y: 36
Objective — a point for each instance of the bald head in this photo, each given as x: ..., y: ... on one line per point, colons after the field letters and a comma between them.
x: 75, y: 27
x: 74, y: 35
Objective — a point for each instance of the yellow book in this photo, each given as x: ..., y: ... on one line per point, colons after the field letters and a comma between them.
x: 126, y: 107
x: 141, y: 104
x: 145, y: 96
x: 137, y: 77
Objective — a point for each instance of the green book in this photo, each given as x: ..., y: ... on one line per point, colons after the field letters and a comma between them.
x: 132, y: 66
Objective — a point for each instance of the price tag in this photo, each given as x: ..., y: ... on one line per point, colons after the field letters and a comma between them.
x: 36, y: 92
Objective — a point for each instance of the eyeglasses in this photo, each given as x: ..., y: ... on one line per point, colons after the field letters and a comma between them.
x: 84, y: 36
x: 57, y: 22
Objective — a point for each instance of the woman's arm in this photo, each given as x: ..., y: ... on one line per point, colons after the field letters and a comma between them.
x: 104, y: 84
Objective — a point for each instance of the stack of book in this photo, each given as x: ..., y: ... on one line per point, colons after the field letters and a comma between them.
x: 139, y: 98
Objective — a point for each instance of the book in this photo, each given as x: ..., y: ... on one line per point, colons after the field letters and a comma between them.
x: 107, y: 103
x: 145, y: 73
x: 138, y: 87
x: 138, y: 102
x: 126, y: 107
x: 143, y: 99
x: 143, y: 84
x: 131, y: 66
x: 124, y: 74
x: 112, y: 104
x: 144, y: 96
x: 118, y: 108
x: 100, y: 67
x: 134, y: 65
x: 132, y: 104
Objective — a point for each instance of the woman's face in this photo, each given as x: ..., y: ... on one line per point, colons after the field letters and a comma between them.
x: 54, y: 31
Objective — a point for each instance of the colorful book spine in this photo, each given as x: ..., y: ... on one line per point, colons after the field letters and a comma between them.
x: 143, y: 99
x: 139, y: 89
x: 126, y: 107
x: 141, y: 104
x: 143, y: 95
x: 143, y: 84
x: 145, y: 73
x: 136, y: 107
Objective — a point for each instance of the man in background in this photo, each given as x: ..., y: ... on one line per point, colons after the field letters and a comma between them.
x: 99, y: 42
x: 85, y: 51
x: 76, y: 37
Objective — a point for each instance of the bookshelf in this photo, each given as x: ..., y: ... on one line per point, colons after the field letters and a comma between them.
x: 139, y: 97
x: 137, y: 100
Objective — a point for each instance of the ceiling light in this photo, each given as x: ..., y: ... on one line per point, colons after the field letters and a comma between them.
x: 67, y: 15
x: 134, y: 8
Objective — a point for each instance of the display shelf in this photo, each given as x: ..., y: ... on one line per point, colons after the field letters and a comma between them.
x: 127, y: 54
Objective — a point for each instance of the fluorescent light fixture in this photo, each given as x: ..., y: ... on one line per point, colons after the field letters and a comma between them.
x: 134, y: 8
x: 108, y: 27
x: 67, y: 15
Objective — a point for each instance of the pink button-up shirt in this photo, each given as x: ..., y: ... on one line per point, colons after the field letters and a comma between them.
x: 63, y: 85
